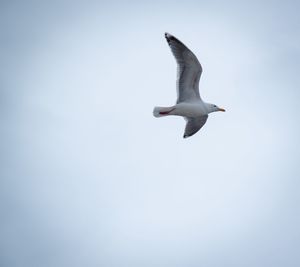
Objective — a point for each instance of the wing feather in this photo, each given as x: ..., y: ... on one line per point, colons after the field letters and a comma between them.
x: 193, y: 125
x: 189, y: 70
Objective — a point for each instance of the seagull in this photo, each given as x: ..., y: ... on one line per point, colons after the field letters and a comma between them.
x: 189, y: 103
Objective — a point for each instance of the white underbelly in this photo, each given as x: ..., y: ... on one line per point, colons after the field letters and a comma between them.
x: 189, y: 110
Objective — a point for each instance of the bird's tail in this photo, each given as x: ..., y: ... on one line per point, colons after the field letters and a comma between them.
x: 162, y: 111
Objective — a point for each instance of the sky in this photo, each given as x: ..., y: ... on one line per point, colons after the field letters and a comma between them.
x: 90, y: 178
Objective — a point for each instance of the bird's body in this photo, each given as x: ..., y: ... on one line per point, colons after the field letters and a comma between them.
x: 184, y: 109
x: 189, y: 103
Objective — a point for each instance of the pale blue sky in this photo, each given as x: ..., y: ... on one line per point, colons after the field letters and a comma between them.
x: 90, y: 178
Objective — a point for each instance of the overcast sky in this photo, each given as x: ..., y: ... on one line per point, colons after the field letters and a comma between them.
x: 90, y: 178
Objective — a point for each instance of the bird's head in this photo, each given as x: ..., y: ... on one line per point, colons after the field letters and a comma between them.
x: 214, y: 108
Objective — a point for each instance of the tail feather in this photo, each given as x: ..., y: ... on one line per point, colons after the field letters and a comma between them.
x: 162, y: 111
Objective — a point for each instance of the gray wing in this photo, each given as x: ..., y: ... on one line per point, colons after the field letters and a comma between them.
x: 188, y: 70
x: 193, y: 125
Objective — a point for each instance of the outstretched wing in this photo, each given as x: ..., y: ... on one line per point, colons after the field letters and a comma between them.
x: 193, y: 125
x: 188, y: 70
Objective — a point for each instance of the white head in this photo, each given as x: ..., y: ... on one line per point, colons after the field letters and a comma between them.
x: 213, y: 108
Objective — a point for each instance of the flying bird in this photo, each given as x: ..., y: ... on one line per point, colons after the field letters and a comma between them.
x: 189, y: 103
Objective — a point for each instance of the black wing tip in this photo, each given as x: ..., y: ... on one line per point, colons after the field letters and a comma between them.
x: 169, y: 37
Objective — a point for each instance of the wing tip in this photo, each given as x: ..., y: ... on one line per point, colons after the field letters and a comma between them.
x: 169, y: 36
